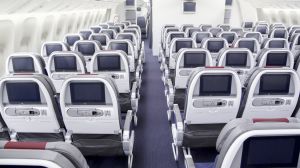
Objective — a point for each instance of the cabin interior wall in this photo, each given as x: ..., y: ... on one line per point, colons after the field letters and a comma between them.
x: 171, y: 12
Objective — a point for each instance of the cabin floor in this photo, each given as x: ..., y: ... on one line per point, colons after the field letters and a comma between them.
x: 153, y: 137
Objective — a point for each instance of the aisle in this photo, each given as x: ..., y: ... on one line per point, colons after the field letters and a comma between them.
x: 153, y: 135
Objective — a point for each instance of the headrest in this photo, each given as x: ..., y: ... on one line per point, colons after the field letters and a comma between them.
x: 256, y: 35
x: 104, y: 25
x: 229, y: 36
x: 110, y: 61
x: 66, y: 61
x: 263, y: 29
x: 214, y: 45
x: 193, y: 57
x: 85, y: 34
x: 128, y: 36
x: 236, y: 58
x: 248, y: 25
x: 123, y: 45
x: 116, y: 28
x: 179, y: 43
x: 70, y: 39
x: 205, y: 27
x: 173, y: 35
x: 95, y: 29
x: 275, y: 57
x: 51, y: 46
x: 215, y: 31
x: 189, y: 31
x: 225, y: 27
x: 240, y: 126
x: 185, y: 26
x: 275, y: 43
x: 122, y: 25
x: 102, y: 38
x: 200, y: 36
x: 239, y: 31
x: 87, y: 47
x: 279, y: 33
x: 110, y: 32
x: 25, y: 63
x: 250, y: 43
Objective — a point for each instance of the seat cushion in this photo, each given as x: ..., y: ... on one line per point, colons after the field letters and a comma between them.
x: 98, y: 145
x: 201, y: 135
x: 40, y: 137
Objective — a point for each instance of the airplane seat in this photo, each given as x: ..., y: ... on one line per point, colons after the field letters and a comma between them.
x: 175, y: 46
x: 85, y: 33
x: 20, y: 63
x: 64, y: 64
x: 257, y: 35
x: 254, y: 143
x: 128, y: 47
x: 239, y: 59
x: 275, y: 58
x: 191, y: 30
x: 95, y: 29
x: 110, y: 32
x: 208, y: 107
x: 250, y: 43
x: 102, y: 38
x: 135, y: 26
x: 215, y: 31
x: 92, y: 117
x: 238, y: 31
x: 87, y: 48
x: 170, y: 36
x: 225, y: 27
x: 184, y: 27
x: 214, y: 46
x: 41, y: 154
x: 70, y: 39
x: 263, y: 29
x: 137, y: 46
x: 51, y: 46
x: 275, y: 43
x: 29, y: 101
x: 176, y: 80
x: 114, y: 64
x: 142, y: 22
x: 205, y: 27
x: 247, y: 26
x: 270, y: 93
x: 295, y: 45
x: 279, y: 33
x: 229, y: 36
x: 200, y: 36
x: 163, y: 39
x: 293, y: 30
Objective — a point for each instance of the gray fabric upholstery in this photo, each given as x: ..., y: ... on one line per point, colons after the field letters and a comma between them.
x: 201, y: 135
x: 125, y: 102
x: 98, y: 145
x: 179, y: 98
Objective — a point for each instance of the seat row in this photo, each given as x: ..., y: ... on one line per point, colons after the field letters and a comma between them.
x: 210, y: 106
x: 66, y: 106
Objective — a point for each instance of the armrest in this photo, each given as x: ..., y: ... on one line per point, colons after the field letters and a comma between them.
x: 177, y: 126
x: 189, y: 161
x: 128, y: 134
x: 134, y: 97
x: 166, y: 74
x: 134, y: 90
x: 170, y: 93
